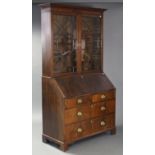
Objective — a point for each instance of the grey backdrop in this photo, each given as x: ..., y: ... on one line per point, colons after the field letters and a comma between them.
x: 113, y: 60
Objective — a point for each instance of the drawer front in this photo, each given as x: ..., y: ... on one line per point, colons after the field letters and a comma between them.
x: 77, y: 114
x: 103, y: 96
x: 98, y: 109
x: 74, y: 102
x: 83, y: 100
x: 86, y: 128
x: 103, y: 123
x: 84, y: 112
x: 78, y: 130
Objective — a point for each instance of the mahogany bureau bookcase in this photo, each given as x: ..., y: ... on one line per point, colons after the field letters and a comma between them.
x: 78, y: 99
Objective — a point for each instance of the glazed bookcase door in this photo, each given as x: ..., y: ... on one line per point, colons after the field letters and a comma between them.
x: 91, y: 43
x: 64, y: 47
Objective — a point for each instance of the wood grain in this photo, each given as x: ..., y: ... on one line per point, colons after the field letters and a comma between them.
x: 73, y: 104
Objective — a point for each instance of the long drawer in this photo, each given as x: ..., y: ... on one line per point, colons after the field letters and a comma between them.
x: 87, y: 111
x: 85, y: 128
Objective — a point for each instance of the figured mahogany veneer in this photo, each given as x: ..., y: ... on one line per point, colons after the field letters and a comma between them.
x: 88, y: 99
x: 78, y: 99
x: 89, y: 127
x: 67, y: 118
x: 103, y: 96
x: 86, y: 111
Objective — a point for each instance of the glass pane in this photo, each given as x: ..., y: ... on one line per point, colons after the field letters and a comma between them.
x: 91, y: 43
x: 64, y: 44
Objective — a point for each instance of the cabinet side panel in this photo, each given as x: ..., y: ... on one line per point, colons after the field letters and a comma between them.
x: 52, y: 110
x: 46, y: 40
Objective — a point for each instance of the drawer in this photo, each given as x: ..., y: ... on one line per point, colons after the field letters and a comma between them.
x: 87, y: 111
x: 103, y: 96
x: 78, y: 101
x: 77, y: 114
x: 78, y: 130
x: 103, y: 123
x: 89, y: 127
x: 100, y: 108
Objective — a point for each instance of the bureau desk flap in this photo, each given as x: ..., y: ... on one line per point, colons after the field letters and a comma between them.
x: 77, y: 85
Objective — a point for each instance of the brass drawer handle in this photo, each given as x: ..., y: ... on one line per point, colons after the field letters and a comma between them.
x: 79, y: 101
x: 79, y: 113
x: 103, y: 96
x: 103, y: 108
x: 91, y: 105
x: 102, y: 123
x: 79, y: 130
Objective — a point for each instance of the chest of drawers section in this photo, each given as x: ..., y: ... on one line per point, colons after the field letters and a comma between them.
x: 76, y: 107
x: 88, y: 115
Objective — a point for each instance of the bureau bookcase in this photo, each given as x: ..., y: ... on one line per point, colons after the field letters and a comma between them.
x: 78, y: 99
